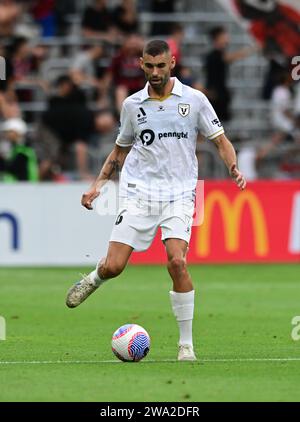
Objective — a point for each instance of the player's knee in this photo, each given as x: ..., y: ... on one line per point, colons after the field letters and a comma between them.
x: 176, y: 264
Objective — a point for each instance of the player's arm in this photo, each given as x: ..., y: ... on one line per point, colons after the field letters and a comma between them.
x: 211, y: 128
x: 112, y: 166
x: 228, y: 155
x: 115, y: 160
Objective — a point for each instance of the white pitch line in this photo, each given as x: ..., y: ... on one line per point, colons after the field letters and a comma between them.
x: 78, y: 362
x: 252, y: 360
x: 54, y: 362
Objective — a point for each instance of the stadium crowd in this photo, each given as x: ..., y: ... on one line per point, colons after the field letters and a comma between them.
x: 60, y: 101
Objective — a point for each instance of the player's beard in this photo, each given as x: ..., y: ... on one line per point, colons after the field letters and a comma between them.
x: 160, y: 84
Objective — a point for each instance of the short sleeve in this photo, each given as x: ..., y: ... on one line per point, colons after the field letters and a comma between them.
x: 126, y: 134
x: 208, y: 121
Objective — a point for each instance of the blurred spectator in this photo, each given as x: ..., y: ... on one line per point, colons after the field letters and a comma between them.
x: 25, y: 62
x: 247, y: 157
x: 39, y: 54
x: 105, y: 123
x: 275, y: 25
x: 9, y: 106
x: 43, y: 12
x: 183, y: 73
x: 283, y: 120
x: 97, y: 21
x: 106, y: 131
x: 174, y: 41
x: 290, y: 162
x: 5, y: 83
x: 69, y: 121
x: 162, y: 6
x: 21, y: 162
x: 10, y: 12
x: 217, y: 74
x: 125, y: 17
x: 85, y: 73
x: 297, y: 99
x: 217, y: 71
x: 275, y: 68
x: 20, y: 58
x: 284, y: 130
x: 63, y: 9
x: 127, y: 75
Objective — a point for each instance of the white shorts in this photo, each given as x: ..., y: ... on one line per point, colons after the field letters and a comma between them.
x: 138, y: 221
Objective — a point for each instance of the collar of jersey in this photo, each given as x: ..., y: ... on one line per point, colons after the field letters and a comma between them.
x: 177, y: 90
x: 160, y: 99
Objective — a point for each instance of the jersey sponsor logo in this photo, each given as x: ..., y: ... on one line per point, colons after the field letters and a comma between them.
x: 161, y: 108
x: 142, y: 116
x: 178, y: 135
x: 147, y: 136
x: 184, y: 109
x: 216, y: 122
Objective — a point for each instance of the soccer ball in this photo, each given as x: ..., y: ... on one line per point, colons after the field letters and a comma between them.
x: 130, y: 343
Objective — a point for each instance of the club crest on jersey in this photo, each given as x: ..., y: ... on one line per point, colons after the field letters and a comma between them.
x: 184, y: 109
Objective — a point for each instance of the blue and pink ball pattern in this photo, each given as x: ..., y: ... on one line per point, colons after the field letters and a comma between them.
x: 130, y: 343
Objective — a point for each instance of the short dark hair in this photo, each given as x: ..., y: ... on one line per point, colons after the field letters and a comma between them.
x: 62, y: 79
x: 216, y: 31
x: 156, y: 47
x: 176, y: 27
x: 17, y: 43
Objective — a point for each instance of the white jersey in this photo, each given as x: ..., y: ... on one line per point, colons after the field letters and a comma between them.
x: 281, y: 102
x: 162, y: 164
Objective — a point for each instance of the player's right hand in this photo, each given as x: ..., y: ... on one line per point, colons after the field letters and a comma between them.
x: 88, y: 197
x: 238, y: 177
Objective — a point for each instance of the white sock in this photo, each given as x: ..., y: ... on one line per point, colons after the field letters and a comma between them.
x: 183, y: 309
x: 95, y: 276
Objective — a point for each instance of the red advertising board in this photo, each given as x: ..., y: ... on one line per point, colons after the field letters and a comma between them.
x: 260, y: 224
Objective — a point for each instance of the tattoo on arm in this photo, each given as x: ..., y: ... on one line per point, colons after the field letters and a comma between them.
x: 113, y: 166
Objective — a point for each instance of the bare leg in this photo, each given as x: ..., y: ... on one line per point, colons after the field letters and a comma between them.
x: 115, y: 261
x: 176, y: 251
x: 182, y: 296
x: 110, y: 266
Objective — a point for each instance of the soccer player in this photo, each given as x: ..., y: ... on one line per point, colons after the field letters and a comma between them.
x: 156, y: 151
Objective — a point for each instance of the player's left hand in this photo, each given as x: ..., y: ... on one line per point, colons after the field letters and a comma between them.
x: 88, y: 197
x: 238, y: 177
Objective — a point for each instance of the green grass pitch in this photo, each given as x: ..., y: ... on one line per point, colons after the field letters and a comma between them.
x: 242, y: 335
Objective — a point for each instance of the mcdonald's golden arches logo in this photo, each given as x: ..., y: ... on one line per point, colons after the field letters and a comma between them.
x: 232, y: 212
